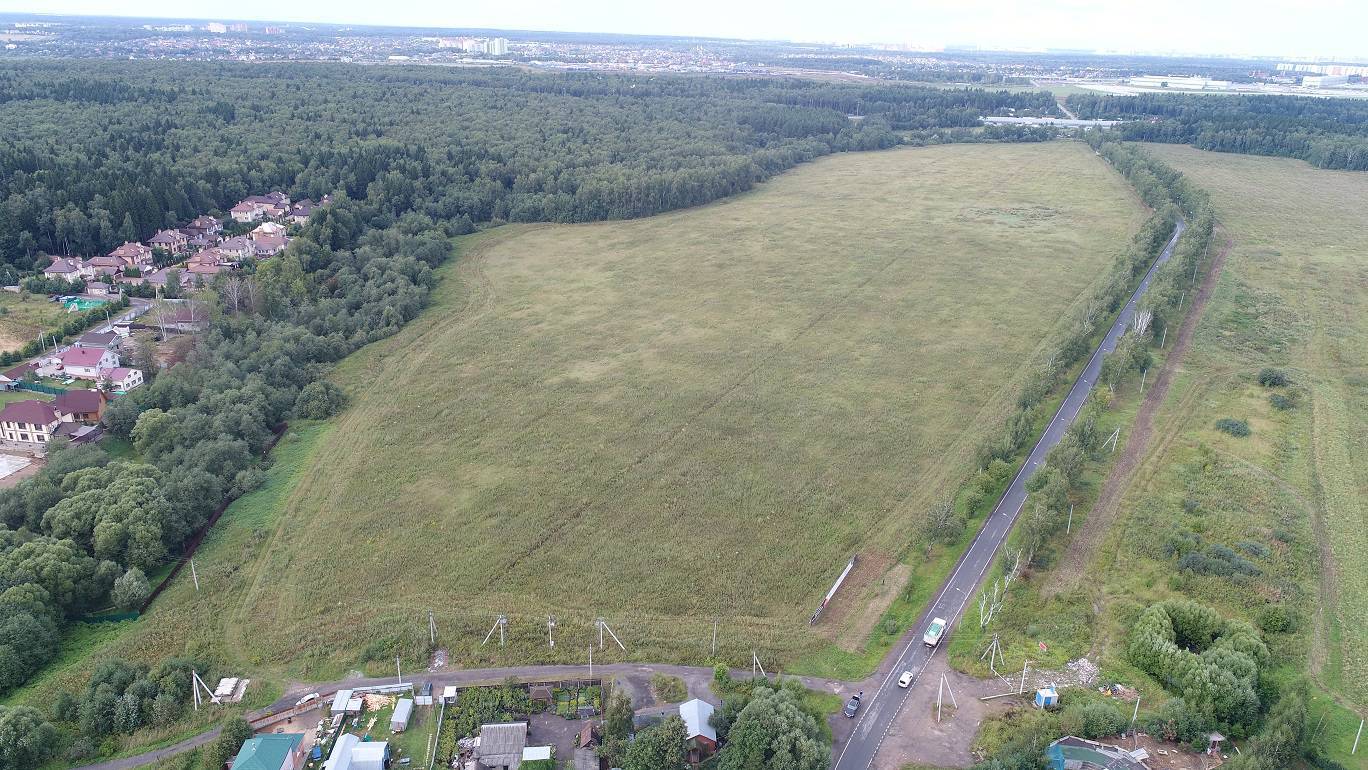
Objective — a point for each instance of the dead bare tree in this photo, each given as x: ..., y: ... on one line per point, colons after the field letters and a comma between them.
x: 1140, y: 322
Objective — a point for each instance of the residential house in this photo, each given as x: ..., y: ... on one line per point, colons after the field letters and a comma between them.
x: 171, y: 241
x: 84, y: 406
x: 238, y: 247
x: 87, y: 363
x: 98, y: 267
x: 500, y: 746
x: 269, y: 245
x: 107, y: 340
x: 205, y: 225
x: 275, y: 751
x: 201, y: 272
x: 210, y: 256
x: 197, y: 240
x: 302, y: 210
x: 66, y: 268
x: 133, y: 253
x: 253, y: 208
x: 702, y: 738
x: 31, y: 422
x: 11, y: 377
x: 268, y: 228
x: 246, y: 212
x: 123, y: 379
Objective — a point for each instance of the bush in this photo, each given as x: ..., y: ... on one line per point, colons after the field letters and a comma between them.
x: 1237, y: 428
x: 1273, y: 378
x: 1275, y: 619
x: 1093, y: 719
x: 130, y: 590
x: 669, y: 689
x: 1282, y: 401
x: 319, y: 400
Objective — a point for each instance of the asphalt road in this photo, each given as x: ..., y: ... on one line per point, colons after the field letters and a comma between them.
x: 881, y: 707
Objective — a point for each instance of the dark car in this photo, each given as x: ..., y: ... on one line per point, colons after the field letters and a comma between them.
x: 853, y: 705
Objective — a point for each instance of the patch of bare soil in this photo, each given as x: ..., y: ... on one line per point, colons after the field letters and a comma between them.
x: 1072, y: 565
x: 853, y: 611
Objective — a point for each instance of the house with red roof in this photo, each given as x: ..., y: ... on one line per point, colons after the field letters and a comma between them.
x: 31, y: 422
x: 172, y: 241
x: 83, y: 406
x: 87, y: 363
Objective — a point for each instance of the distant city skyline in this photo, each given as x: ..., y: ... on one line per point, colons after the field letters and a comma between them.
x: 1204, y: 27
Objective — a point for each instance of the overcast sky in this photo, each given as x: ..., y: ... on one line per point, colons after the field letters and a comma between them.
x: 1327, y: 28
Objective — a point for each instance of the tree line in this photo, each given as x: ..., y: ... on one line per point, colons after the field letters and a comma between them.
x: 101, y: 153
x: 1327, y: 133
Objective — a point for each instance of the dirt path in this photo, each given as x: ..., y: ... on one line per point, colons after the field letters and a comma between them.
x: 1072, y: 565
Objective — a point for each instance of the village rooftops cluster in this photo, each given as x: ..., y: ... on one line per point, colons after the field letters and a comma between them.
x: 201, y: 242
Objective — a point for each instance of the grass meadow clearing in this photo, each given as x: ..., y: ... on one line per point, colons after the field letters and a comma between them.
x: 699, y: 415
x: 1269, y: 527
x: 666, y: 421
x: 23, y: 315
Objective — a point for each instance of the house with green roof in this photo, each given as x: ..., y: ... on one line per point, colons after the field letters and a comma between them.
x: 281, y: 751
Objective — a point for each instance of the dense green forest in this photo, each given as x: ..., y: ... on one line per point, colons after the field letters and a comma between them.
x: 1328, y: 133
x: 94, y: 154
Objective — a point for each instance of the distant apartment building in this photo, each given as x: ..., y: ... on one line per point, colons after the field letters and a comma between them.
x: 216, y: 28
x: 496, y: 46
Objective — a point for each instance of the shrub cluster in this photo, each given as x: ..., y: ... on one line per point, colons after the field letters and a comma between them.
x: 1211, y: 662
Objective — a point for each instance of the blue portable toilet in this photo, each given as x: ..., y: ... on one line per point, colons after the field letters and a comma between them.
x: 1046, y: 697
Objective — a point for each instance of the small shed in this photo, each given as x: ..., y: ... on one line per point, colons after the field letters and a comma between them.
x: 403, y: 709
x: 536, y: 753
x: 702, y: 738
x: 540, y: 693
x: 449, y: 694
x: 339, y: 702
x: 1214, y: 744
x: 1046, y: 697
x: 501, y: 745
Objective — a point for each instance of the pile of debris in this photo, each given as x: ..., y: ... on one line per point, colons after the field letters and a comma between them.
x: 1083, y: 670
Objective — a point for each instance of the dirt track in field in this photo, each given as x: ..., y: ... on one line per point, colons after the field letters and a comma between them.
x: 1071, y: 569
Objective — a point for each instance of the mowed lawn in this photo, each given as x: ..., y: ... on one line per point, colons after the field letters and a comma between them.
x: 694, y: 416
x: 1292, y: 295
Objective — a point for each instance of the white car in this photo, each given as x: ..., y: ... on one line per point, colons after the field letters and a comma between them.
x: 905, y: 680
x: 310, y: 698
x: 934, y: 632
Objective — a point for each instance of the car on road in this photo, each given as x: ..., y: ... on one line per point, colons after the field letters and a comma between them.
x: 905, y: 680
x: 311, y: 697
x: 852, y: 705
x: 934, y: 632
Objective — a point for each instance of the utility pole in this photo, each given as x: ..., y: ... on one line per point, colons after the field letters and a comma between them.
x: 1357, y: 735
x: 398, y: 674
x: 1022, y: 688
x: 432, y: 628
x: 1069, y: 528
x: 714, y: 641
x: 944, y: 687
x: 1165, y: 338
x: 499, y: 624
x: 603, y: 626
x: 591, y: 662
x: 1143, y: 373
x: 1135, y: 715
x: 193, y: 574
x: 550, y: 625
